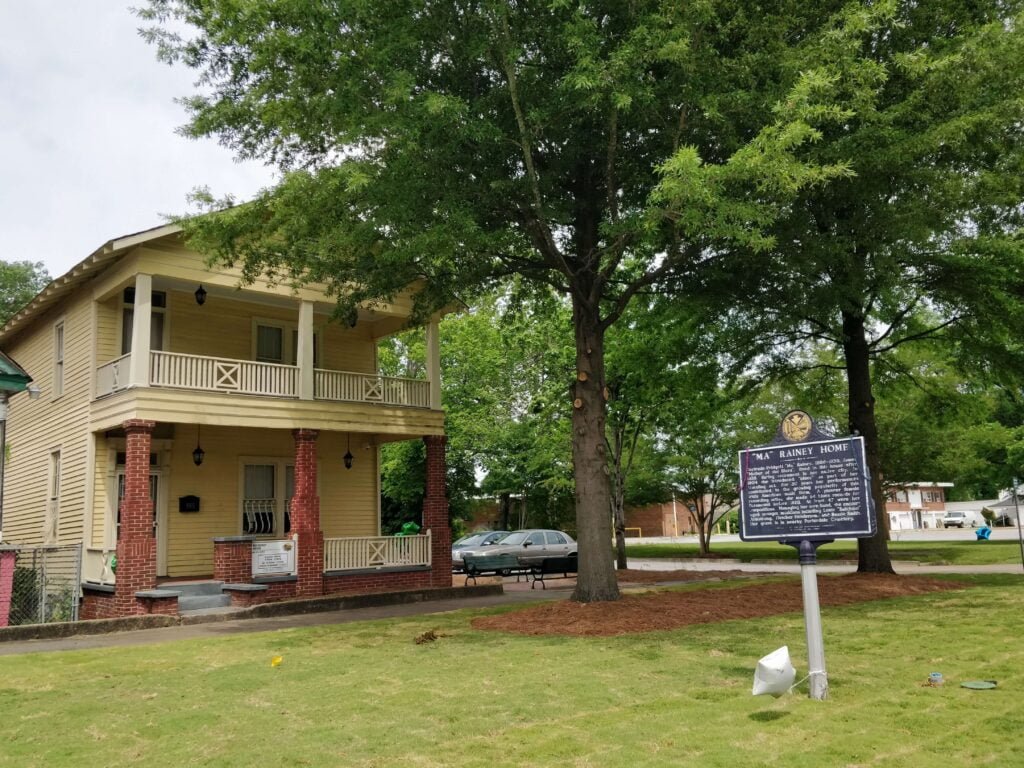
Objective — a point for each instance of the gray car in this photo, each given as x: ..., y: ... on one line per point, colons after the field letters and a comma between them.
x: 471, y: 541
x: 531, y: 543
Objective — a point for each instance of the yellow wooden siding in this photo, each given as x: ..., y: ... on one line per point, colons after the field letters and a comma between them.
x: 37, y: 427
x: 102, y: 479
x: 346, y: 349
x: 108, y: 330
x: 348, y: 498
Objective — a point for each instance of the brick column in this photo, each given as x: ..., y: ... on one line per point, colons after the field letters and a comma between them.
x: 136, y: 545
x: 305, y: 516
x: 7, y: 559
x: 435, y: 512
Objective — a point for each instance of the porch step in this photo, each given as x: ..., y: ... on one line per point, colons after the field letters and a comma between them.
x: 194, y: 588
x: 189, y: 603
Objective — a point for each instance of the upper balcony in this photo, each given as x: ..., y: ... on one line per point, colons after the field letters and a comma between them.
x: 248, y: 355
x: 244, y: 377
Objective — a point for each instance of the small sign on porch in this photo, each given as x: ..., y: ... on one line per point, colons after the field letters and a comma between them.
x: 274, y: 558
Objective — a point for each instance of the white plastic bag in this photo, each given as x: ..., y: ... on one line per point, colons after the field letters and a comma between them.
x: 774, y: 674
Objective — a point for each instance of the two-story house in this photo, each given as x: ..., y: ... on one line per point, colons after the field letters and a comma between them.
x: 187, y: 420
x: 916, y: 505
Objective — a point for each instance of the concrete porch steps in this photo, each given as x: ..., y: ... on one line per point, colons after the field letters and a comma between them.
x: 194, y: 596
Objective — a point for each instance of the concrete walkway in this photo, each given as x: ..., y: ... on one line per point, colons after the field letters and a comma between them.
x: 515, y: 593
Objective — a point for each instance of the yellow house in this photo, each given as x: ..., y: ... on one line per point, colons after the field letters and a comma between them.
x: 204, y: 430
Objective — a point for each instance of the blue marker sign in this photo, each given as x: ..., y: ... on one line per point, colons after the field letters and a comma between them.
x: 807, y: 491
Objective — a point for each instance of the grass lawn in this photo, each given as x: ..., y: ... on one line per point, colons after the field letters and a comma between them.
x: 932, y: 552
x: 366, y: 695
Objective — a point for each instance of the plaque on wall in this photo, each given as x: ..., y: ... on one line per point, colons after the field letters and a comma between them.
x: 273, y: 558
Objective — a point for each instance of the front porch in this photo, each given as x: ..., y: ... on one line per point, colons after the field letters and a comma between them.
x: 263, y: 536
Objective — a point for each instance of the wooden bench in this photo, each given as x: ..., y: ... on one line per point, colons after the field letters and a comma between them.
x: 552, y: 565
x: 504, y: 564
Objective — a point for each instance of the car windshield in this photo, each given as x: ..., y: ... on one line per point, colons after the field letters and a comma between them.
x: 466, y: 541
x: 515, y: 538
x: 494, y: 538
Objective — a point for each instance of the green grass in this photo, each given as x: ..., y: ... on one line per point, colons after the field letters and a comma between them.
x: 365, y: 695
x: 931, y: 552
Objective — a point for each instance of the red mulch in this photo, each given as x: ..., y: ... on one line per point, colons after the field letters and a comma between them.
x: 665, y: 610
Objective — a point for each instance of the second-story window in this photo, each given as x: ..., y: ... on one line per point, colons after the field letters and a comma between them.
x: 156, y: 323
x: 279, y: 343
x: 58, y: 359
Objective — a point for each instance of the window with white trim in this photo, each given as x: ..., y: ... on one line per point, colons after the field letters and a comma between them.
x: 58, y: 359
x: 51, y: 521
x: 156, y: 323
x: 267, y: 490
x: 278, y: 342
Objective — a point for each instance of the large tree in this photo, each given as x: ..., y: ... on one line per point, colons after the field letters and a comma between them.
x: 602, y: 148
x: 20, y: 281
x: 922, y: 240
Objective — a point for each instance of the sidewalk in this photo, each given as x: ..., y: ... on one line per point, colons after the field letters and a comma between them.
x: 514, y: 593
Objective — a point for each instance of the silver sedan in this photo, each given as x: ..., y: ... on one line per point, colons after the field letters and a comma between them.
x: 532, y: 543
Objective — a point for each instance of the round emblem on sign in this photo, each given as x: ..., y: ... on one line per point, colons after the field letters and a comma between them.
x: 796, y: 426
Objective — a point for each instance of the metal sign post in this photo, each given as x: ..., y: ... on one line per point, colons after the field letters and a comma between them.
x: 806, y: 489
x: 816, y: 673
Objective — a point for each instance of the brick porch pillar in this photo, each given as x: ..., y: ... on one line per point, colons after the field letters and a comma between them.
x: 435, y: 512
x: 305, y: 516
x: 7, y: 560
x: 136, y: 545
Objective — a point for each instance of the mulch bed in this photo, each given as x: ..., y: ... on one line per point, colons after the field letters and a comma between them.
x: 666, y: 610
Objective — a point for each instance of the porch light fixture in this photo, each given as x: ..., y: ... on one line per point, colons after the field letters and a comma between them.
x: 200, y: 295
x: 198, y: 454
x: 347, y: 458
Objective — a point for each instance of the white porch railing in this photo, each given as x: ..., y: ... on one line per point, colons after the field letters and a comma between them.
x: 96, y: 565
x: 364, y: 388
x: 219, y: 374
x: 113, y: 376
x: 363, y: 552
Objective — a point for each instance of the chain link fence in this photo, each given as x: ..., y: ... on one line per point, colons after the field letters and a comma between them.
x: 46, y: 585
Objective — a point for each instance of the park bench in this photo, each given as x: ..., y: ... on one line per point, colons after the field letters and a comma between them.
x: 504, y: 564
x: 549, y: 566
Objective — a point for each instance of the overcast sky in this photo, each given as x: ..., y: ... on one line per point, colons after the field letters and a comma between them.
x: 87, y: 131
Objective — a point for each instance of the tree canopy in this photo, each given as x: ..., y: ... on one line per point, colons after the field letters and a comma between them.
x: 20, y: 281
x: 605, y: 149
x: 922, y: 239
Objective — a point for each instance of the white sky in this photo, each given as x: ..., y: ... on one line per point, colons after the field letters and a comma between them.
x: 87, y: 133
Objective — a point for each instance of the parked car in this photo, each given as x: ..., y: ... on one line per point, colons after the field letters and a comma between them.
x: 956, y: 520
x: 530, y: 543
x: 479, y: 539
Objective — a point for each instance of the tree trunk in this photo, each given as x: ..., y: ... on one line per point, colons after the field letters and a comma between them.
x: 596, y: 579
x: 619, y: 520
x: 872, y: 553
x: 505, y: 509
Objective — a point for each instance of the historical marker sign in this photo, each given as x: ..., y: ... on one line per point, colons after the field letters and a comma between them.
x: 805, y: 490
x: 273, y: 558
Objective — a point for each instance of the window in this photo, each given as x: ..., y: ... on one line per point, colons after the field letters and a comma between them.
x: 554, y: 537
x: 933, y: 496
x: 266, y: 511
x: 536, y: 539
x: 58, y: 359
x: 275, y: 342
x: 51, y: 523
x: 156, y: 323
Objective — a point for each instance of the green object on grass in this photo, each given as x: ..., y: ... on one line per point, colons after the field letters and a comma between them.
x: 979, y: 685
x: 408, y: 529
